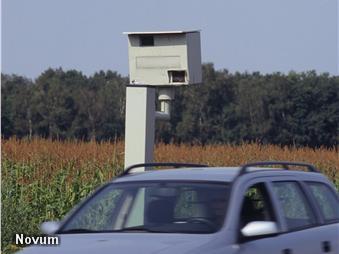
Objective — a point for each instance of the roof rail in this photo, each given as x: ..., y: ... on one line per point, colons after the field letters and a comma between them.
x: 161, y: 164
x: 284, y: 164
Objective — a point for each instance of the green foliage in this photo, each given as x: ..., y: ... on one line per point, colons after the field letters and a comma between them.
x: 294, y: 109
x: 26, y: 206
x: 15, y: 111
x: 64, y: 105
x: 299, y: 109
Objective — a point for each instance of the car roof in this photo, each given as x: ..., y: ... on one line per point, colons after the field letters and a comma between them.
x: 217, y: 174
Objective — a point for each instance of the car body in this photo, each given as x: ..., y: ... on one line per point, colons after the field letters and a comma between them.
x: 250, y: 209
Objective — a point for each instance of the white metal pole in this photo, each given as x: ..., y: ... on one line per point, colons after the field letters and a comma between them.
x: 139, y: 125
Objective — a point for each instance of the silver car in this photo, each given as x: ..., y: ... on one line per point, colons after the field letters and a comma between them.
x: 198, y: 209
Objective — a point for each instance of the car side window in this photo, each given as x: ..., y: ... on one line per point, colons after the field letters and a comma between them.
x: 256, y: 205
x: 295, y: 208
x: 326, y: 200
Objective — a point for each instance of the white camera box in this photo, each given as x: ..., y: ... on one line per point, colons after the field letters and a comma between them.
x: 167, y: 58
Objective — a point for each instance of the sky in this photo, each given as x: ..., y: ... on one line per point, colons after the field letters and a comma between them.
x: 238, y: 35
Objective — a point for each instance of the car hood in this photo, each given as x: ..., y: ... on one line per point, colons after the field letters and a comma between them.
x: 126, y: 243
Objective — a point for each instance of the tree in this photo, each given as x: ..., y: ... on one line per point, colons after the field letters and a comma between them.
x: 286, y: 109
x: 53, y: 106
x: 15, y: 106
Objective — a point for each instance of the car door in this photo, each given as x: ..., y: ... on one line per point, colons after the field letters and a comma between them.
x: 326, y: 200
x: 285, y: 202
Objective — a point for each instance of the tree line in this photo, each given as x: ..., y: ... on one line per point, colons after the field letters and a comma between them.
x: 300, y: 109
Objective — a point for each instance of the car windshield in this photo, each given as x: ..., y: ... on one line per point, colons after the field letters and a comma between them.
x: 162, y: 207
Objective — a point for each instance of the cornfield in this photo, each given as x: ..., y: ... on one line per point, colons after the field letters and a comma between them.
x: 43, y: 179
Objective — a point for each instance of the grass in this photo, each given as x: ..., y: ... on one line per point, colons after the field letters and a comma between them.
x: 43, y: 179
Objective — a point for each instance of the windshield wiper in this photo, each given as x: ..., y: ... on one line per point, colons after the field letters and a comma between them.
x: 78, y: 231
x: 139, y: 228
x: 127, y: 229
